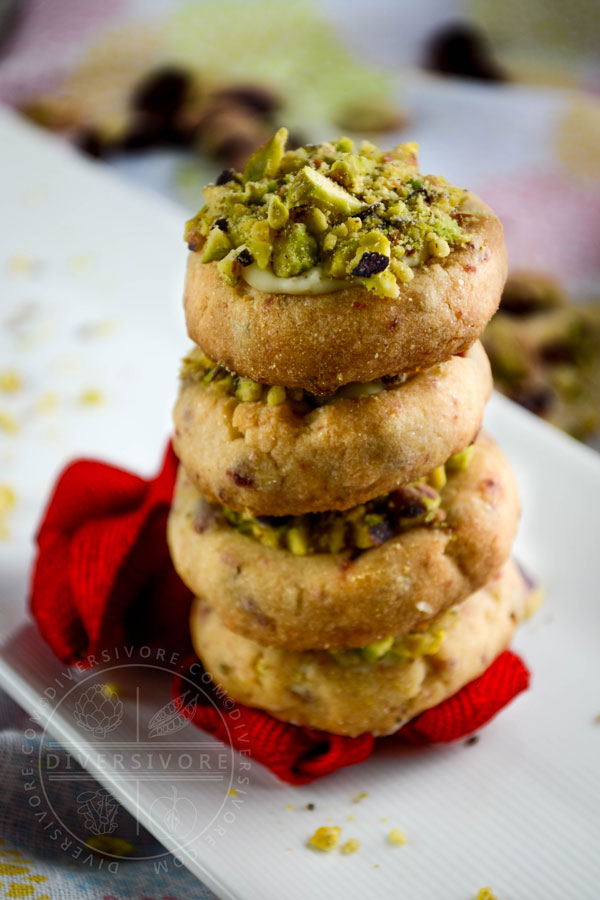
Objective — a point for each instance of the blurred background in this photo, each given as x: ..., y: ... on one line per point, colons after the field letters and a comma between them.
x: 503, y: 98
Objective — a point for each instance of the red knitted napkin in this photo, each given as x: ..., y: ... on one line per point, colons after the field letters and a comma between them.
x: 103, y: 578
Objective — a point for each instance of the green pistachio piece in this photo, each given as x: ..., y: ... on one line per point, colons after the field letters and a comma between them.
x: 227, y: 268
x: 356, y: 389
x: 267, y: 159
x: 315, y: 220
x: 344, y: 145
x: 260, y: 243
x: 376, y: 650
x: 384, y: 284
x: 336, y: 537
x: 460, y: 461
x: 248, y: 390
x: 278, y: 213
x: 276, y: 395
x: 216, y: 247
x: 295, y: 250
x: 297, y: 540
x: 347, y: 171
x: 437, y: 479
x: 311, y: 185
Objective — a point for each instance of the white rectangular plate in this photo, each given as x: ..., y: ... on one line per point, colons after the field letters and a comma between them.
x: 91, y: 276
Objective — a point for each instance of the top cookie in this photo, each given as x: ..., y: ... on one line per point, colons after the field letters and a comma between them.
x: 325, y: 265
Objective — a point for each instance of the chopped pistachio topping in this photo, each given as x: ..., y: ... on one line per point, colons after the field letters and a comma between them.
x: 397, y: 838
x: 359, y: 214
x: 326, y: 838
x: 352, y: 845
x: 352, y: 530
x: 199, y: 367
x: 409, y: 646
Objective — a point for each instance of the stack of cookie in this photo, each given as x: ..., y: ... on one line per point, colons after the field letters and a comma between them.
x: 340, y: 517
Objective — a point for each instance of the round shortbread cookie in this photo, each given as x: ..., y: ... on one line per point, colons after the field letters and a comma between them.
x: 346, y: 694
x: 331, y: 600
x: 319, y: 342
x: 278, y: 462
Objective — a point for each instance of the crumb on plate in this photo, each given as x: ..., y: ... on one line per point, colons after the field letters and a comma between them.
x: 8, y: 423
x: 10, y: 381
x: 396, y: 837
x: 91, y: 397
x: 351, y: 846
x: 325, y: 838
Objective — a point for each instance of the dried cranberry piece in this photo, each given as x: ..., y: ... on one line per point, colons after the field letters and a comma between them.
x: 254, y: 97
x: 245, y: 258
x: 537, y: 399
x: 370, y: 264
x: 225, y: 176
x: 381, y: 532
x: 162, y: 92
x: 461, y: 49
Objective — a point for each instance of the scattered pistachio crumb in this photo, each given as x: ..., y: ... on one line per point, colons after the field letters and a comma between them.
x: 384, y: 819
x: 534, y: 601
x: 359, y: 797
x: 102, y: 328
x: 47, y: 402
x: 10, y: 382
x: 80, y: 262
x: 276, y: 395
x: 110, y: 689
x: 232, y: 792
x: 310, y: 806
x: 8, y: 423
x: 351, y: 846
x: 325, y: 838
x: 22, y: 265
x: 397, y: 837
x: 91, y: 397
x: 109, y: 845
x: 7, y: 501
x: 485, y: 893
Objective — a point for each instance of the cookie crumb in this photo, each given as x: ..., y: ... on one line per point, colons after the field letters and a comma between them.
x: 8, y: 423
x: 470, y: 741
x: 10, y: 382
x: 232, y: 792
x: 359, y: 797
x: 20, y: 265
x: 110, y: 689
x: 310, y: 806
x: 351, y: 846
x: 485, y: 893
x: 91, y: 397
x: 47, y: 402
x: 396, y: 837
x: 111, y: 846
x: 534, y: 601
x: 325, y: 838
x: 289, y: 805
x: 7, y: 501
